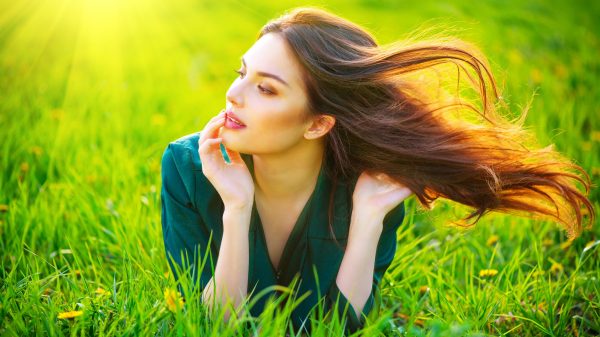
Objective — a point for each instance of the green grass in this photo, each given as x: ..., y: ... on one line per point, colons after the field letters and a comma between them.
x: 91, y: 93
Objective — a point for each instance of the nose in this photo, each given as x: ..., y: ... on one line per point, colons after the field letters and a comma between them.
x: 234, y: 95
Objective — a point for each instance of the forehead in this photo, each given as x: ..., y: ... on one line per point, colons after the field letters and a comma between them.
x: 270, y: 54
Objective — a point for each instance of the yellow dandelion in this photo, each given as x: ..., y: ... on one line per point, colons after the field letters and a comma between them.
x: 423, y: 290
x: 173, y: 300
x: 3, y: 208
x: 70, y: 314
x: 488, y: 272
x: 492, y: 240
x: 24, y: 167
x: 100, y: 292
x: 556, y: 268
x: 542, y: 307
x: 36, y: 150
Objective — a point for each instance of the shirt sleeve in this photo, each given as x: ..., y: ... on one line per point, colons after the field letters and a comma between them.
x: 386, y: 249
x: 185, y: 236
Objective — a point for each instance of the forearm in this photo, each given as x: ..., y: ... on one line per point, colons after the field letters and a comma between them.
x: 355, y: 276
x: 230, y: 281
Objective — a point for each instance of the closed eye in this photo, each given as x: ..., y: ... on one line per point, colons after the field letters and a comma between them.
x: 261, y: 88
x: 266, y: 91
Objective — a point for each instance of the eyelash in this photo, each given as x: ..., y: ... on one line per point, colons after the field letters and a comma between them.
x: 267, y: 92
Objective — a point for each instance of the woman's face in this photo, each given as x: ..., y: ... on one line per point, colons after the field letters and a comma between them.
x: 269, y: 98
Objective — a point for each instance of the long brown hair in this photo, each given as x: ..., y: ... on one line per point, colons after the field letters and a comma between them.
x: 389, y: 119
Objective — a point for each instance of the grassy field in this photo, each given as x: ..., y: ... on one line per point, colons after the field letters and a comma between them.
x: 92, y: 91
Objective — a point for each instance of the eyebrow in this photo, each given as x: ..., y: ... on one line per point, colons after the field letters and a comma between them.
x: 263, y: 74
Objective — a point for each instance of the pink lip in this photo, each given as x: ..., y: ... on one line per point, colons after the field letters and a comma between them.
x: 230, y: 113
x: 230, y: 124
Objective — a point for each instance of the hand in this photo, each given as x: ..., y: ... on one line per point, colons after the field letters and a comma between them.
x: 232, y: 181
x: 376, y: 194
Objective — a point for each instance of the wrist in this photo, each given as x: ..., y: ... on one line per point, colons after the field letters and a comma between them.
x: 237, y: 219
x: 239, y: 208
x: 365, y: 226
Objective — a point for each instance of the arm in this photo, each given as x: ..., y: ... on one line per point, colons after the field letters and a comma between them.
x: 186, y: 236
x: 230, y: 281
x: 351, y: 267
x: 377, y: 213
x: 235, y: 186
x: 355, y: 276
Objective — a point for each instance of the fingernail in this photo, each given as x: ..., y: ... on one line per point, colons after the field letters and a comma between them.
x: 224, y: 153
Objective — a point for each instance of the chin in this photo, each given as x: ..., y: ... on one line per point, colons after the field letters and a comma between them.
x: 230, y: 143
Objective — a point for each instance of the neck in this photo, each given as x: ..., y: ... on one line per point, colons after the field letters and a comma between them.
x: 288, y: 174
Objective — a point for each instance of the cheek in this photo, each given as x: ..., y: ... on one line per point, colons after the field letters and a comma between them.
x: 281, y: 116
x: 281, y: 127
x: 278, y: 132
x: 281, y: 121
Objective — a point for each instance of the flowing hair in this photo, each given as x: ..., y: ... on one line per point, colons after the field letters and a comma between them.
x: 394, y: 115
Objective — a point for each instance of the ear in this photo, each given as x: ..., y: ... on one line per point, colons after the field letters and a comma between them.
x: 319, y: 127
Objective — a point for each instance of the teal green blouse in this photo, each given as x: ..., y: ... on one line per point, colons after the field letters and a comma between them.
x: 192, y: 211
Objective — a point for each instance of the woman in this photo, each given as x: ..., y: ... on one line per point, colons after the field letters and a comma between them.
x: 326, y: 134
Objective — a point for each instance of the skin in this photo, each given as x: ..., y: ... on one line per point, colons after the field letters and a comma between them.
x: 287, y: 149
x: 277, y: 133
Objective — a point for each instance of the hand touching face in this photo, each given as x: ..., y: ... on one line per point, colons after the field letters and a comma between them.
x: 232, y: 181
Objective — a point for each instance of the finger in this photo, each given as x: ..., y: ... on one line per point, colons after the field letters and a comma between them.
x: 220, y: 115
x: 214, y: 121
x: 402, y: 193
x: 386, y: 178
x: 211, y: 129
x: 205, y: 148
x: 234, y: 156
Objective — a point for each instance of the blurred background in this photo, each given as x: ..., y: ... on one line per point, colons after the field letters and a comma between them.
x: 110, y: 82
x: 92, y: 91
